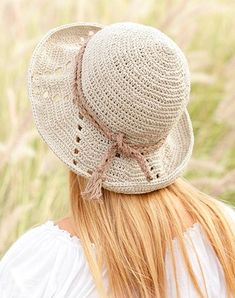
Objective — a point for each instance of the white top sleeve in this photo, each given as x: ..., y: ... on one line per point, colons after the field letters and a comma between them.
x: 47, y: 262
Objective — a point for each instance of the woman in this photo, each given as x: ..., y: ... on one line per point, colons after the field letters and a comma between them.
x: 111, y: 103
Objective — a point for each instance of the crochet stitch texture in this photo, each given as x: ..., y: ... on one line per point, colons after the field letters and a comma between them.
x: 136, y: 80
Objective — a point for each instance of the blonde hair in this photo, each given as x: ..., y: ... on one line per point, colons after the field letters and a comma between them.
x: 132, y: 232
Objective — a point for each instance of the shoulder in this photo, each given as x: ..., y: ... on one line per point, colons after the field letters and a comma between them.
x: 45, y: 259
x: 46, y: 237
x: 202, y: 258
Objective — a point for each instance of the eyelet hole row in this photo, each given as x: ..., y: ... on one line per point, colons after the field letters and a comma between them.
x: 152, y: 168
x: 55, y: 97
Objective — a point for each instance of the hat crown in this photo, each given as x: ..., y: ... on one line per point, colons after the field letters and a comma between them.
x: 137, y: 82
x: 136, y: 79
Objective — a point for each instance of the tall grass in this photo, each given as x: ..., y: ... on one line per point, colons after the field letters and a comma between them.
x: 33, y: 182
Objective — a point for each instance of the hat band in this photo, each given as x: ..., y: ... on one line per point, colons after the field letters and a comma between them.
x: 119, y: 143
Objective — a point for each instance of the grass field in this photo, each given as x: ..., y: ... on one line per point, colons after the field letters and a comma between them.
x: 33, y: 182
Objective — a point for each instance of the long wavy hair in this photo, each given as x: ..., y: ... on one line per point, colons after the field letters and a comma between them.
x: 132, y: 232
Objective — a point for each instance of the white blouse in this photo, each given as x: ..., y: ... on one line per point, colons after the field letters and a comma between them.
x: 47, y: 261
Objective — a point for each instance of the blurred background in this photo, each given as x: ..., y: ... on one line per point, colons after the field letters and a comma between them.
x: 33, y: 182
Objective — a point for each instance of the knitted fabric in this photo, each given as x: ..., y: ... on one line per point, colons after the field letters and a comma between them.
x: 135, y: 83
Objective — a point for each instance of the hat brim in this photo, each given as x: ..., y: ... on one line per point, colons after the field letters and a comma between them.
x: 73, y: 139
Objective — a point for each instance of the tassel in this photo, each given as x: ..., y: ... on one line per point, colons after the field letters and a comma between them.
x: 93, y: 190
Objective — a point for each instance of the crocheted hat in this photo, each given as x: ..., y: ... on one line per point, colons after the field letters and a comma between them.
x: 110, y: 102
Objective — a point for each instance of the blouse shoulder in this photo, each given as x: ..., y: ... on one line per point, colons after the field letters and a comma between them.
x: 203, y: 260
x: 45, y: 262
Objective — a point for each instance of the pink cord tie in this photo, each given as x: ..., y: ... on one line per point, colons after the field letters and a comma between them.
x: 93, y: 189
x: 119, y: 144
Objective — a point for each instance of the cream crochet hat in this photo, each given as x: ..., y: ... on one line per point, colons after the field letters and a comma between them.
x: 110, y: 101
